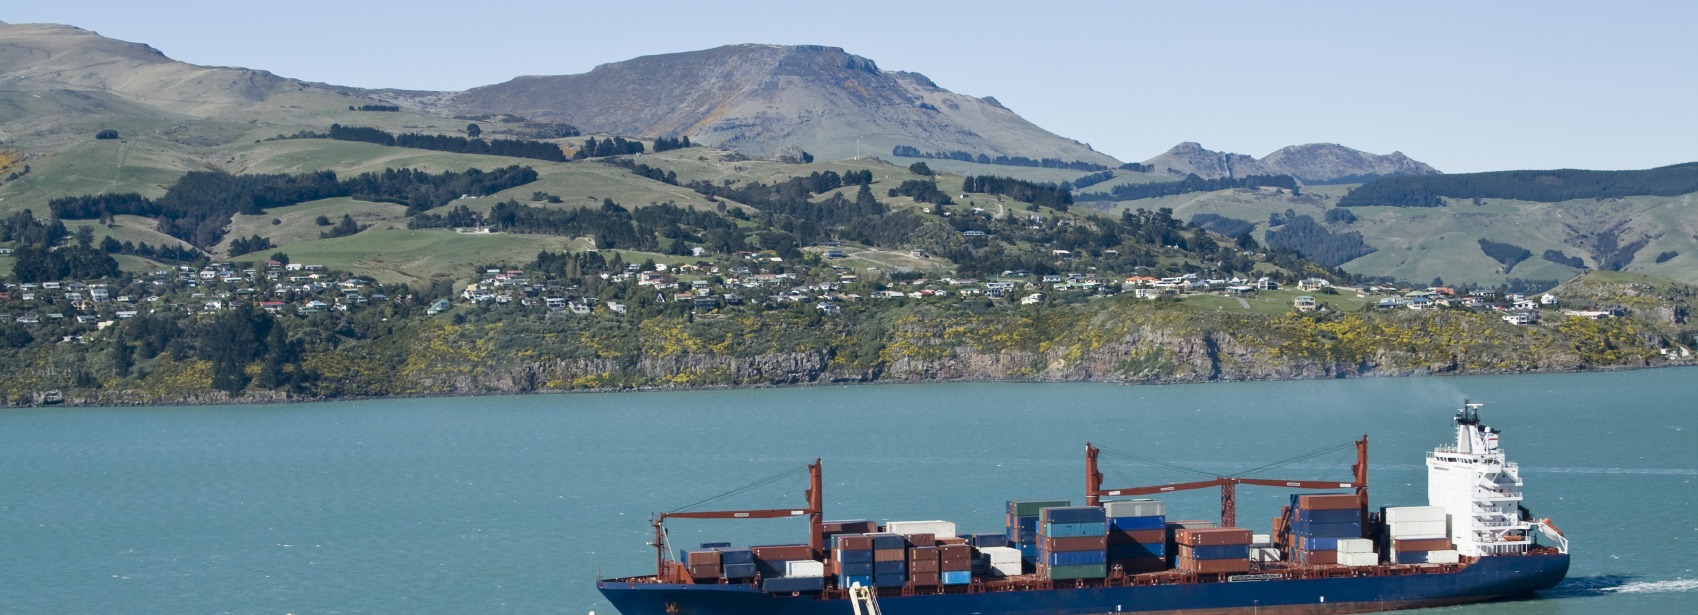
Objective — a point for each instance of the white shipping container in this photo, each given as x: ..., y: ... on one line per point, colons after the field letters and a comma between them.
x: 1001, y: 555
x: 1358, y: 559
x: 1402, y: 514
x: 1006, y: 570
x: 1264, y: 554
x: 909, y: 528
x: 804, y: 568
x: 1355, y: 545
x: 1257, y: 540
x: 1443, y: 557
x: 1135, y: 508
x: 1420, y: 529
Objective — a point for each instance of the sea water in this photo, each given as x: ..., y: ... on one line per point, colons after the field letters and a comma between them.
x: 518, y: 504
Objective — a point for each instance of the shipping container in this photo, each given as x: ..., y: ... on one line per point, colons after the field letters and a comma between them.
x: 1327, y: 530
x: 987, y: 540
x: 957, y: 577
x: 1131, y: 524
x: 1084, y: 571
x: 1341, y: 515
x: 888, y: 540
x: 1073, y: 514
x: 706, y: 572
x: 736, y: 556
x: 1405, y: 514
x: 1137, y: 551
x: 1074, y: 558
x: 740, y: 571
x: 846, y: 581
x: 922, y: 540
x: 1202, y: 537
x: 1264, y: 554
x: 716, y: 545
x: 1135, y: 508
x: 1069, y: 530
x: 1359, y: 559
x: 917, y: 567
x: 1030, y: 508
x: 1410, y: 557
x: 934, y: 527
x: 1420, y: 544
x: 1419, y: 529
x: 1137, y: 537
x: 848, y: 556
x: 924, y: 579
x: 855, y: 568
x: 1075, y: 543
x: 890, y: 580
x: 782, y: 552
x: 804, y: 568
x: 1214, y: 552
x: 1325, y: 501
x: 1214, y: 566
x: 884, y: 568
x: 855, y: 542
x: 699, y: 557
x: 1446, y: 556
x: 1314, y: 558
x: 1355, y: 545
x: 890, y: 555
x: 1317, y: 543
x: 856, y: 526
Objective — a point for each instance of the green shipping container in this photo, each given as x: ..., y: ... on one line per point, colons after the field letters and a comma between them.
x: 1030, y: 508
x: 1082, y: 571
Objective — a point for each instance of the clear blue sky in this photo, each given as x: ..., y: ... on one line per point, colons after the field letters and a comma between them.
x: 1464, y: 86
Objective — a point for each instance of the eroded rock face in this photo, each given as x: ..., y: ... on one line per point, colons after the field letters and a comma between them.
x: 1311, y: 162
x: 760, y: 98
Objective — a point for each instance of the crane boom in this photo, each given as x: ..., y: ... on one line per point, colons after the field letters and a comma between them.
x: 1094, y: 491
x: 814, y: 511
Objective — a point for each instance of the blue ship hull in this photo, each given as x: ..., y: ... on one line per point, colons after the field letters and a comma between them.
x: 1488, y: 578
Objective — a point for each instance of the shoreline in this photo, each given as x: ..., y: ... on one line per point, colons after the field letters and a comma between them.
x: 731, y: 387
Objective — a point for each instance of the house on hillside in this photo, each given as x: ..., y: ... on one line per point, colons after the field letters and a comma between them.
x: 1304, y: 303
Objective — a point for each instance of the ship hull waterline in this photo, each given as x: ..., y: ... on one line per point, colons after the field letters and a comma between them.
x: 1489, y: 578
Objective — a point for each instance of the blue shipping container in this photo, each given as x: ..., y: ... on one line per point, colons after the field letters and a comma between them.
x: 884, y: 568
x: 1136, y: 551
x: 987, y: 540
x: 890, y: 580
x: 739, y: 571
x: 716, y: 545
x: 854, y: 557
x: 889, y: 541
x: 1076, y: 558
x: 956, y: 577
x: 856, y: 569
x: 1221, y: 552
x: 1071, y: 530
x: 848, y: 580
x: 736, y: 556
x: 1327, y: 530
x: 1075, y: 514
x: 1027, y: 523
x: 1411, y: 557
x: 1133, y: 524
x: 1349, y: 515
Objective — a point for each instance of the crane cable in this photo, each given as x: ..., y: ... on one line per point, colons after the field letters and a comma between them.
x: 745, y: 488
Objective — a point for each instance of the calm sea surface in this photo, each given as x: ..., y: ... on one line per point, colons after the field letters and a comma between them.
x: 517, y: 504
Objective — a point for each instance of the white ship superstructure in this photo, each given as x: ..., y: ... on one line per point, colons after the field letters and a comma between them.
x: 1480, y: 490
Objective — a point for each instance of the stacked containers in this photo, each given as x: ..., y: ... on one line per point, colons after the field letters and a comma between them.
x: 738, y: 564
x: 890, y: 560
x: 923, y: 566
x: 1172, y: 530
x: 1023, y: 527
x: 799, y: 576
x: 1357, y: 552
x: 1137, y: 535
x: 1318, y: 521
x: 854, y: 560
x: 1073, y: 543
x: 1001, y: 561
x: 771, y: 560
x: 955, y: 564
x: 1224, y: 550
x: 1418, y: 535
x: 703, y: 564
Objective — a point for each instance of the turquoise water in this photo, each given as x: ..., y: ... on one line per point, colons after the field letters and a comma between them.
x: 516, y: 504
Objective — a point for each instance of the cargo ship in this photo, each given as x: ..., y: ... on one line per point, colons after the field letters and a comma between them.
x: 1327, y: 552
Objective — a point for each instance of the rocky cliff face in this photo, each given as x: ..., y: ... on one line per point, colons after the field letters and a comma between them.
x: 1313, y: 162
x: 761, y: 98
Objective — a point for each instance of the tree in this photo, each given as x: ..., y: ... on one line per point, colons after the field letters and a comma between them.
x: 920, y: 168
x: 473, y: 131
x: 106, y: 134
x: 85, y: 236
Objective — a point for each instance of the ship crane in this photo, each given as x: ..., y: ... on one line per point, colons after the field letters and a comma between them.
x: 665, y: 568
x: 1094, y: 491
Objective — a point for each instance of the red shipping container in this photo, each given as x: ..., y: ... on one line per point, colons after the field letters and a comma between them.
x: 1214, y: 566
x: 1076, y: 543
x: 781, y: 553
x: 955, y: 552
x: 702, y: 558
x: 918, y: 567
x: 705, y: 571
x: 951, y: 540
x: 849, y: 527
x: 1404, y: 545
x: 855, y: 543
x: 1314, y: 558
x: 890, y: 555
x: 1209, y: 537
x: 923, y: 579
x: 923, y: 554
x: 1340, y: 501
x: 955, y: 565
x: 922, y: 540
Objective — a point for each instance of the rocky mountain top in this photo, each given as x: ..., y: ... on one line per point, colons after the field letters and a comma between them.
x: 1314, y: 162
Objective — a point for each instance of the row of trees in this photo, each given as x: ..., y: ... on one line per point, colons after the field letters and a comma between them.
x: 1191, y: 183
x: 200, y: 205
x: 1046, y: 194
x: 517, y: 148
x: 909, y: 151
x: 922, y: 190
x: 671, y: 143
x: 615, y: 146
x: 1541, y: 186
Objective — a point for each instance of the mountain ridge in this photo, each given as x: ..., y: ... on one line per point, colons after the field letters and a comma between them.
x: 1312, y: 162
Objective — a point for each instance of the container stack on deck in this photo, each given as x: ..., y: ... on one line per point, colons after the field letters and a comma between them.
x: 1172, y: 530
x: 890, y: 560
x: 854, y: 559
x: 1023, y: 527
x: 1224, y: 550
x: 1316, y: 522
x: 1073, y: 543
x: 1137, y: 535
x: 788, y: 568
x: 1418, y: 535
